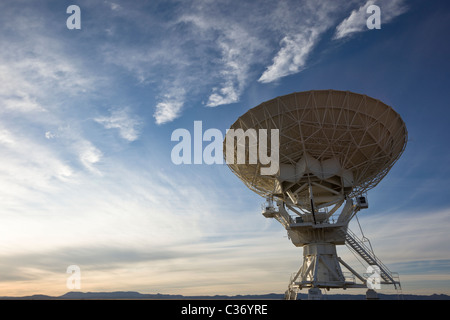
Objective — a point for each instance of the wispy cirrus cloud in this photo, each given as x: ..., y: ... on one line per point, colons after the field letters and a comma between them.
x: 234, y: 67
x: 121, y: 119
x: 292, y: 56
x: 301, y: 27
x: 356, y: 22
x: 168, y: 110
x: 212, y: 52
x: 40, y: 104
x: 27, y: 165
x: 170, y: 104
x: 239, y: 49
x: 207, y: 52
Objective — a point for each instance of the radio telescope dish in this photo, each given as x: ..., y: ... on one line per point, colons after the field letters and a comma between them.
x: 334, y: 146
x: 342, y: 143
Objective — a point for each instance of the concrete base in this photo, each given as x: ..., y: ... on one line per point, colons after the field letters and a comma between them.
x: 371, y: 295
x: 314, y: 294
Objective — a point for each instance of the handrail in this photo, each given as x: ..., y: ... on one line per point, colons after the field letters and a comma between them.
x: 378, y: 262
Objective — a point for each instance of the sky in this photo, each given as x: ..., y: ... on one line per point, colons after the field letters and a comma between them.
x: 86, y: 118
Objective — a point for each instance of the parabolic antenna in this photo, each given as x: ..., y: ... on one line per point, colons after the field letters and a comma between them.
x: 333, y: 147
x: 342, y: 143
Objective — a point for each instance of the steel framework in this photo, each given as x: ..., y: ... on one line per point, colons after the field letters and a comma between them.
x: 334, y: 146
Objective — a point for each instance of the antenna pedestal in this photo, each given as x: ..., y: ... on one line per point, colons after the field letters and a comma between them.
x: 320, y: 268
x: 333, y: 146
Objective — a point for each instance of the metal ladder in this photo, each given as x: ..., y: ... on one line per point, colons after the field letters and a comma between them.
x: 358, y: 246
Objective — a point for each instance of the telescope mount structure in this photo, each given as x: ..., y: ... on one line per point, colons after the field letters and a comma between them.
x: 333, y: 147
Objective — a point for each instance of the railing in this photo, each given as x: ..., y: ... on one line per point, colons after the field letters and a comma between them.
x: 349, y: 277
x: 385, y: 273
x: 310, y: 219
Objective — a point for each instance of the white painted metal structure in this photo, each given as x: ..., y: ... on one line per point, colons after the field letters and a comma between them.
x: 334, y: 146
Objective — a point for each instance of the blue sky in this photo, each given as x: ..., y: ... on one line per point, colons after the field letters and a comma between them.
x: 86, y: 118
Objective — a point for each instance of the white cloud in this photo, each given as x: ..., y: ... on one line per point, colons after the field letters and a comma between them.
x: 41, y: 77
x: 238, y: 50
x: 292, y: 56
x: 226, y: 95
x: 49, y: 135
x: 296, y: 46
x: 89, y: 155
x: 120, y: 119
x: 27, y: 80
x: 301, y: 26
x: 170, y: 108
x: 22, y: 103
x: 147, y: 63
x: 18, y: 93
x: 209, y: 52
x: 234, y: 71
x: 218, y: 49
x: 6, y: 137
x: 356, y: 22
x: 27, y: 165
x: 167, y: 111
x: 114, y: 6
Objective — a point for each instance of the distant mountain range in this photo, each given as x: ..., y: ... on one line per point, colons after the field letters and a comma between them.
x: 131, y: 295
